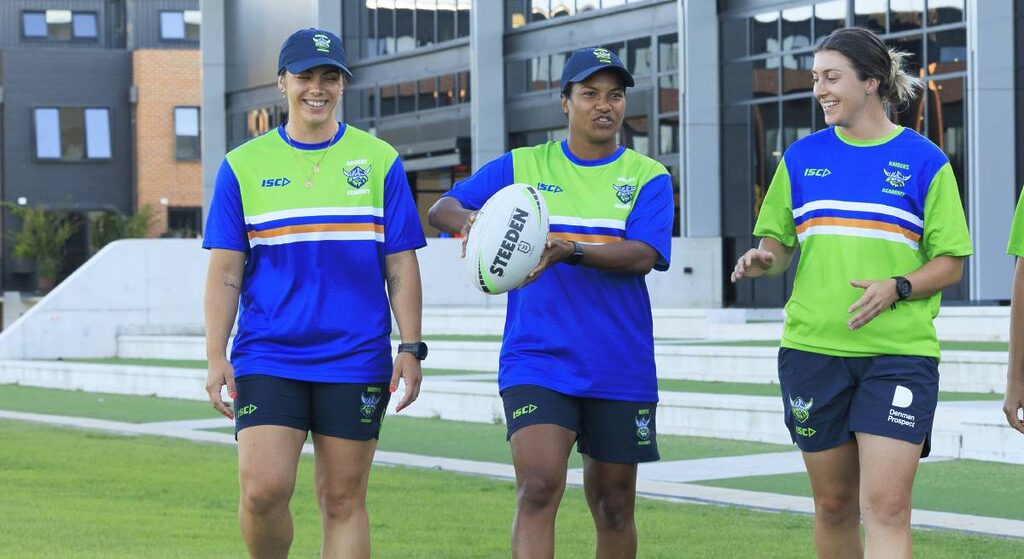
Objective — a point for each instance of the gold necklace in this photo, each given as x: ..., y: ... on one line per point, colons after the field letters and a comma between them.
x: 300, y: 159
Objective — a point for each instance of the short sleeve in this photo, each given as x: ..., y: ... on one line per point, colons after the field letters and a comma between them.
x: 651, y: 219
x: 945, y: 226
x: 474, y: 191
x: 225, y: 223
x: 775, y: 220
x: 402, y: 227
x: 1016, y: 244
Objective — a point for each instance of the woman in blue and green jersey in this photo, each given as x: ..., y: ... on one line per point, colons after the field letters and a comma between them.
x: 312, y: 230
x: 876, y: 213
x: 577, y: 359
x: 1013, y: 405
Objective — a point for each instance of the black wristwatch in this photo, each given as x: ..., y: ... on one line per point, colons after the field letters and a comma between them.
x: 417, y: 349
x: 903, y: 288
x: 577, y: 254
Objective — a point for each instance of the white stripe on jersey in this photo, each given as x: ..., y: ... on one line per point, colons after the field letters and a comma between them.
x: 318, y: 236
x: 312, y: 212
x: 580, y: 222
x: 855, y: 232
x: 857, y: 207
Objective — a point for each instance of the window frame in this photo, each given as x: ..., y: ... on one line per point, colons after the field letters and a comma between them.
x: 46, y: 26
x: 61, y: 159
x: 198, y: 135
x: 184, y: 27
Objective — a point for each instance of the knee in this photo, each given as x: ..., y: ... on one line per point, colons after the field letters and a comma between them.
x: 837, y: 510
x: 265, y: 498
x: 340, y: 504
x: 613, y: 510
x: 539, y: 492
x: 891, y: 510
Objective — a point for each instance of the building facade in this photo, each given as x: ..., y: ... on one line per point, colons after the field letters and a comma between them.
x: 71, y: 134
x: 722, y: 88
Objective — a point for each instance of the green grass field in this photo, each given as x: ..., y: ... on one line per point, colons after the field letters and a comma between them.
x: 71, y: 493
x: 961, y: 486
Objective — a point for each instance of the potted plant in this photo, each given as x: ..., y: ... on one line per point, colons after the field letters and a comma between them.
x: 43, y: 237
x: 108, y: 227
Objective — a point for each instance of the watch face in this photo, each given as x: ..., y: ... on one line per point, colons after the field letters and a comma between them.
x: 903, y: 288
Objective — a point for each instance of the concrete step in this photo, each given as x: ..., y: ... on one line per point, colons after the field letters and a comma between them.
x: 959, y: 371
x: 973, y: 430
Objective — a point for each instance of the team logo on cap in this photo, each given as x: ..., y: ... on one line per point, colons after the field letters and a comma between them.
x: 357, y: 176
x: 322, y: 42
x: 604, y: 56
x: 624, y: 192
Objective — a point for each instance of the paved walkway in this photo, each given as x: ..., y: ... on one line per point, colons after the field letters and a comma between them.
x: 664, y: 481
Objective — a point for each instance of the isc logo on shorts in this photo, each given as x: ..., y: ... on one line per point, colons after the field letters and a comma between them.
x: 528, y: 408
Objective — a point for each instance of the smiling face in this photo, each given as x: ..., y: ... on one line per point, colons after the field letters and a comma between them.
x: 312, y: 95
x: 595, y: 107
x: 843, y: 96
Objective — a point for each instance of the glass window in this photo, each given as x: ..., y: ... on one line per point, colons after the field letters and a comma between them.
x: 947, y: 122
x: 385, y: 27
x: 172, y: 25
x: 947, y: 51
x: 945, y: 11
x: 97, y: 134
x: 368, y: 29
x: 515, y: 77
x: 639, y: 56
x: 905, y: 15
x: 445, y: 20
x: 186, y: 133
x: 404, y: 38
x: 633, y: 135
x: 796, y: 72
x: 184, y: 221
x: 427, y: 94
x: 796, y: 28
x: 425, y: 10
x: 870, y: 14
x: 83, y: 25
x: 828, y: 17
x: 58, y: 24
x: 561, y: 8
x: 388, y: 100
x: 193, y: 19
x: 47, y: 123
x: 764, y: 33
x: 462, y: 23
x: 539, y: 10
x: 734, y: 38
x: 913, y: 45
x: 516, y: 13
x: 446, y: 90
x: 406, y: 97
x: 751, y: 79
x: 668, y: 94
x: 668, y: 52
x: 540, y: 74
x: 797, y: 121
x: 33, y: 24
x: 612, y: 3
x: 912, y: 115
x: 614, y: 47
x: 464, y: 87
x: 557, y: 62
x: 584, y: 6
x: 668, y: 134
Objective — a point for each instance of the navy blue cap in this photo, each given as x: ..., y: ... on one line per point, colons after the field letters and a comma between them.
x: 309, y: 48
x: 584, y: 62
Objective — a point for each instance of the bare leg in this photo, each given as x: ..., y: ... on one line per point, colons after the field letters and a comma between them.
x: 540, y: 454
x: 835, y: 476
x: 268, y: 456
x: 611, y: 494
x: 888, y: 467
x: 342, y: 472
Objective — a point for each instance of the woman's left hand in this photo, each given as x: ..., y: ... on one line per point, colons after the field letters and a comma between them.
x: 878, y: 296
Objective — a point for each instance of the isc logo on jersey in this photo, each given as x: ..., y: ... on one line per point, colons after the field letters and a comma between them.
x: 507, y: 239
x: 553, y: 188
x: 817, y: 172
x: 267, y: 183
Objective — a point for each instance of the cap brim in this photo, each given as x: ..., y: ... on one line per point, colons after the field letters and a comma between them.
x: 627, y: 78
x: 306, y: 64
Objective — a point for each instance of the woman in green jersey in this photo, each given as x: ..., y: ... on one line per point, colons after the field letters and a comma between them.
x: 876, y: 213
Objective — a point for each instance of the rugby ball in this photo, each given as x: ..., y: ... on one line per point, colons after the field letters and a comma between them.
x: 507, y: 238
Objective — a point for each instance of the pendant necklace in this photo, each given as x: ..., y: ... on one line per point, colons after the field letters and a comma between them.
x: 299, y: 158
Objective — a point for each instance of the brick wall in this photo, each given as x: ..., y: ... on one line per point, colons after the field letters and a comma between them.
x: 165, y: 78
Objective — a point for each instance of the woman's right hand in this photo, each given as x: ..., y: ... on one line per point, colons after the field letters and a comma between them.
x: 220, y: 373
x: 753, y: 264
x: 465, y: 231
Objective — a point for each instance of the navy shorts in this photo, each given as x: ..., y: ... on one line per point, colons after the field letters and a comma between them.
x: 345, y: 410
x: 829, y: 398
x: 613, y: 431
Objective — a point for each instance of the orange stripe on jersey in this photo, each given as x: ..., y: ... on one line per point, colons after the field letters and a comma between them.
x: 860, y: 223
x: 316, y: 228
x: 586, y: 238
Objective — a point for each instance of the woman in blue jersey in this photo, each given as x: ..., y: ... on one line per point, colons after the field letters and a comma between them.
x: 312, y: 230
x: 577, y: 359
x: 876, y: 212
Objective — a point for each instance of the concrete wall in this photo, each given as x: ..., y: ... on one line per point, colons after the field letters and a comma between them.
x: 160, y: 282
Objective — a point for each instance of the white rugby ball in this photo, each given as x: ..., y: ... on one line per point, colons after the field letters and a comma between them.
x: 507, y: 238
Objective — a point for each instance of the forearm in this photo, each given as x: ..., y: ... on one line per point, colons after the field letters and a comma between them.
x: 1015, y: 371
x: 783, y: 256
x: 448, y: 214
x: 220, y: 304
x: 627, y: 257
x: 935, y: 275
x: 405, y: 294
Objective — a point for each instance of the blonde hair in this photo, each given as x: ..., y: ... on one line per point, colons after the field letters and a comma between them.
x: 901, y: 87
